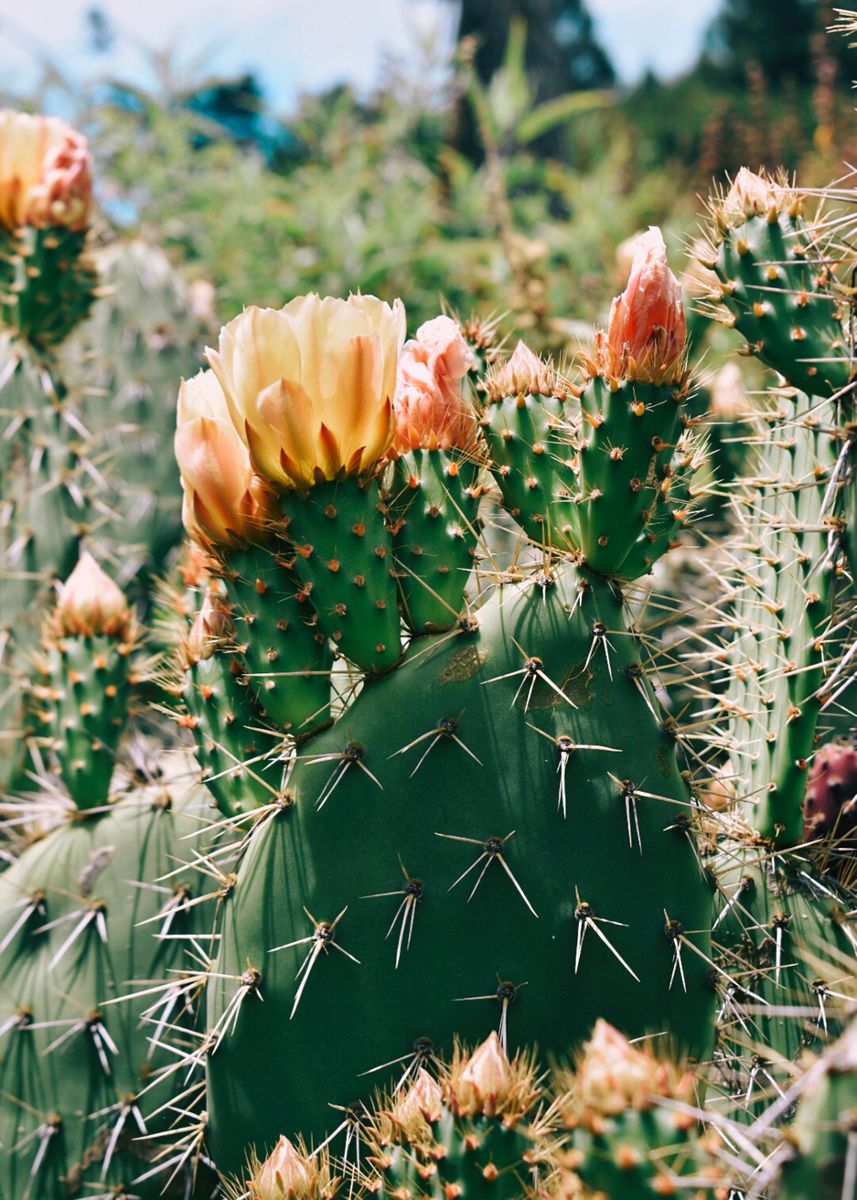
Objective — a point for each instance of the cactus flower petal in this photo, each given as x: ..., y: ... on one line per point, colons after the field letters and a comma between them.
x: 429, y: 406
x: 309, y: 387
x: 45, y: 173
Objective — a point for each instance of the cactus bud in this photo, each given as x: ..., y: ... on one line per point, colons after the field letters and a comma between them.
x: 91, y: 603
x: 45, y: 173
x: 523, y: 374
x: 484, y: 1078
x: 430, y: 409
x: 613, y: 1075
x: 646, y: 333
x: 284, y: 1173
x: 310, y: 386
x: 223, y: 501
x: 289, y: 1173
x: 421, y: 1102
x: 752, y: 195
x: 212, y: 624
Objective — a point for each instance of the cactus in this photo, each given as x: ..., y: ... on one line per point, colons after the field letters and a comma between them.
x: 504, y: 763
x: 782, y: 922
x: 477, y: 1131
x: 821, y: 1159
x: 121, y: 368
x: 96, y: 908
x: 628, y: 1121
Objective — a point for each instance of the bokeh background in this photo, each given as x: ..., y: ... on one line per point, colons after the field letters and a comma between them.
x: 489, y: 154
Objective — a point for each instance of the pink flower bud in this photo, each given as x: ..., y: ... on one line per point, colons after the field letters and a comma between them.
x: 286, y: 1174
x: 224, y: 501
x: 429, y: 407
x: 646, y: 333
x: 613, y: 1075
x: 91, y: 603
x: 422, y: 1101
x: 485, y: 1078
x: 524, y: 374
x: 752, y: 195
x: 45, y: 173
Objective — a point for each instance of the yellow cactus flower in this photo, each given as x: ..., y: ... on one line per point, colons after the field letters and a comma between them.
x: 310, y: 386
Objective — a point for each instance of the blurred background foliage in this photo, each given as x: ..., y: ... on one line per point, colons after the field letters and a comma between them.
x: 503, y: 177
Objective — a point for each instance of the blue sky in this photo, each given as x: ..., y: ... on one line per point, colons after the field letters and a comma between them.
x: 300, y: 45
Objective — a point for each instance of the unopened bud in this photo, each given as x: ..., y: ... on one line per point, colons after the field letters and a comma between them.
x: 91, y: 603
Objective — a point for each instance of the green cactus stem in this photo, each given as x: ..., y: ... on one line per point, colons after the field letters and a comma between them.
x: 287, y: 655
x: 47, y: 282
x: 468, y: 828
x: 433, y: 505
x: 775, y: 280
x: 343, y: 555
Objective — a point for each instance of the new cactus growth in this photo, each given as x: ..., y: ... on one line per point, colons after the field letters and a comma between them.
x: 475, y: 1132
x: 435, y: 489
x: 628, y: 1119
x: 776, y: 282
x: 85, y: 680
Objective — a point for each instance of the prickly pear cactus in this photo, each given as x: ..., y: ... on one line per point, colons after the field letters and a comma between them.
x: 487, y: 825
x: 144, y: 333
x: 97, y: 910
x: 783, y: 925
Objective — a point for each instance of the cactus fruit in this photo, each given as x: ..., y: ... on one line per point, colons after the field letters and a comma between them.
x: 830, y: 807
x: 524, y: 422
x: 436, y: 477
x: 475, y: 1132
x: 85, y: 680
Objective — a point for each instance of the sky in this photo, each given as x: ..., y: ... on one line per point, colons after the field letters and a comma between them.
x: 304, y: 45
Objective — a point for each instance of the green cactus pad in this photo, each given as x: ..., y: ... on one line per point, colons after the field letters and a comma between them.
x: 77, y: 932
x: 770, y: 282
x: 287, y: 656
x: 84, y: 707
x: 434, y: 505
x: 531, y: 462
x: 343, y: 554
x: 47, y: 282
x: 628, y: 436
x: 445, y: 810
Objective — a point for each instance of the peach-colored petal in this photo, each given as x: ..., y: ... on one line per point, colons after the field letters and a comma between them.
x: 309, y: 385
x: 646, y: 333
x: 429, y: 406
